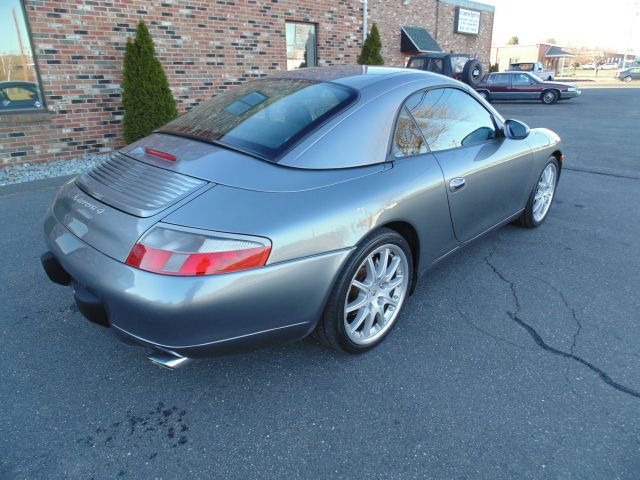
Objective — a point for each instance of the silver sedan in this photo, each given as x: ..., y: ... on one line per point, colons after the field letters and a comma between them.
x: 307, y: 202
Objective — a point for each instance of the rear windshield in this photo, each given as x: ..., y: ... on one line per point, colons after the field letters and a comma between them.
x: 523, y: 67
x: 263, y: 117
x: 458, y: 62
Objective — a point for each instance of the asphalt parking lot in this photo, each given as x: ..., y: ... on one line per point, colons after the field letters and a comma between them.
x: 517, y: 358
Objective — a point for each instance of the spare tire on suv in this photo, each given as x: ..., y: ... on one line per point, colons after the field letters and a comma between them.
x: 472, y: 73
x: 454, y: 65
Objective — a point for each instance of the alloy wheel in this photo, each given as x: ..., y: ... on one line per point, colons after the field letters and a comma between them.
x: 376, y: 294
x: 544, y: 192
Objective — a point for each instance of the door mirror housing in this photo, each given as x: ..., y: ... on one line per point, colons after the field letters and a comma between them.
x: 516, y: 130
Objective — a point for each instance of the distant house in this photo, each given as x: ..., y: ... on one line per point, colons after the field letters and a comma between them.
x: 551, y: 56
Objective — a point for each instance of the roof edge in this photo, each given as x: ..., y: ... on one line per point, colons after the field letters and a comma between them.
x: 470, y: 4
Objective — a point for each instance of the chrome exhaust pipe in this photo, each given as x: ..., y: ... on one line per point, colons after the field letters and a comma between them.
x: 169, y: 360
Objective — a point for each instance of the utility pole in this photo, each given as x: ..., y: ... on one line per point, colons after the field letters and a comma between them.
x: 634, y: 15
x: 23, y: 57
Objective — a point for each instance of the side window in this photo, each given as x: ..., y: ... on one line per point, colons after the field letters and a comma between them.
x: 407, y: 140
x: 435, y: 65
x: 450, y: 118
x: 521, y: 79
x: 498, y: 79
x: 417, y: 63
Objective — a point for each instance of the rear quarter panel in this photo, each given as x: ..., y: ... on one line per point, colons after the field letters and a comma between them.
x: 335, y: 217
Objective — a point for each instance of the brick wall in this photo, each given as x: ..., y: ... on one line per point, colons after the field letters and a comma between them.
x: 438, y: 18
x: 390, y: 16
x: 460, y: 43
x: 205, y: 46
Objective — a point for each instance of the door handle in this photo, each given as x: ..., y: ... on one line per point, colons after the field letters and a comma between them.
x: 457, y: 183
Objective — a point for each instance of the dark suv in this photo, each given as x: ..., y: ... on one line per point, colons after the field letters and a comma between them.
x: 455, y: 65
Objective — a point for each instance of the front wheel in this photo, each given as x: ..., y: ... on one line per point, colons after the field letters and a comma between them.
x: 369, y: 294
x: 627, y: 79
x: 484, y: 94
x: 549, y: 96
x: 541, y: 197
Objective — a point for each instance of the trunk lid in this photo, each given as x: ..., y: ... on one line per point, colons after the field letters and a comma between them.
x: 113, y: 204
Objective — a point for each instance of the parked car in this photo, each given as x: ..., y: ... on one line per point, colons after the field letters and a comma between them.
x: 257, y: 218
x: 524, y: 86
x: 459, y: 66
x: 18, y: 95
x: 629, y: 74
x: 609, y: 66
x: 533, y: 67
x: 588, y: 66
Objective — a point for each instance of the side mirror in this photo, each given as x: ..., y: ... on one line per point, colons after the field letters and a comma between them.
x: 516, y: 130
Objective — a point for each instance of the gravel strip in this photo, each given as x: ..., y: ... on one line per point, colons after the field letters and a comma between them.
x: 38, y: 171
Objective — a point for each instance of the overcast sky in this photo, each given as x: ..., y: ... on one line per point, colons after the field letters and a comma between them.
x: 603, y: 23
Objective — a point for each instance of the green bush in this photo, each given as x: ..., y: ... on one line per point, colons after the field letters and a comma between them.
x: 370, y: 54
x: 146, y: 96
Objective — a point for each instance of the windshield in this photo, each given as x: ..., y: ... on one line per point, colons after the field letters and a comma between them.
x: 535, y: 78
x: 522, y: 67
x: 263, y: 117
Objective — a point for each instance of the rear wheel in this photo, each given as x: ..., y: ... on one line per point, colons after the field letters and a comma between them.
x: 369, y: 294
x: 549, y: 96
x: 484, y: 94
x: 541, y: 197
x: 627, y: 79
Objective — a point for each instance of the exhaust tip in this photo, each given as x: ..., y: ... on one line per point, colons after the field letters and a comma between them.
x: 172, y: 361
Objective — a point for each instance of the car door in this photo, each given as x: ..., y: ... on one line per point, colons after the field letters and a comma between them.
x: 523, y: 87
x: 499, y: 85
x: 486, y: 175
x: 635, y: 73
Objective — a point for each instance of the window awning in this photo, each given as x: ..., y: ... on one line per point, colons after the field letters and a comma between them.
x: 417, y: 39
x: 554, y: 51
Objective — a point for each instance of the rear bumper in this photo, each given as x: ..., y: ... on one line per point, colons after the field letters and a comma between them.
x: 193, y: 316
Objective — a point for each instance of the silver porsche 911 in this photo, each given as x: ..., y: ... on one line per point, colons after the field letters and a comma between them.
x: 304, y: 202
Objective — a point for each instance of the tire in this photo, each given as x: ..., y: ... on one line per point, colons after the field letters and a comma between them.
x: 472, y: 73
x: 485, y: 95
x: 627, y: 79
x: 348, y: 331
x: 532, y: 218
x: 549, y: 96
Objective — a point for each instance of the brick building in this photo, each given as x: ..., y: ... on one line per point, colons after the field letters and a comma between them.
x: 552, y: 57
x: 61, y: 60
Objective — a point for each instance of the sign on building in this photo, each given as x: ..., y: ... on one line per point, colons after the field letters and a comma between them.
x: 467, y: 21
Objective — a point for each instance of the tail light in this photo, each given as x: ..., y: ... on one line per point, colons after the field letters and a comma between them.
x: 159, y: 154
x: 171, y: 251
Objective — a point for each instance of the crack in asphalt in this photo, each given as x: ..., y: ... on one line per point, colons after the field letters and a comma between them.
x: 595, y: 172
x: 498, y: 338
x: 571, y: 309
x: 542, y: 344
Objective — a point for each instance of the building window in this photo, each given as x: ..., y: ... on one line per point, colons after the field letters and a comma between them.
x: 19, y: 85
x: 301, y: 45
